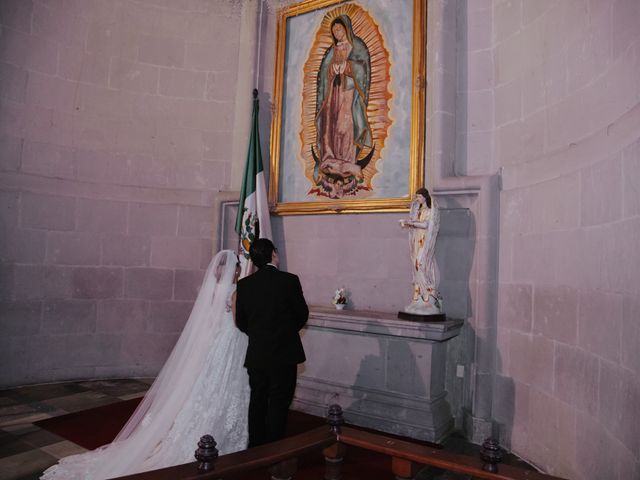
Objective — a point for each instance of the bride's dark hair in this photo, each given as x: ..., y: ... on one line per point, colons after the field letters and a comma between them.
x: 222, y: 263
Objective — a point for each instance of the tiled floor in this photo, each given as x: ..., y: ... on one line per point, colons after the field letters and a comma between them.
x: 27, y: 450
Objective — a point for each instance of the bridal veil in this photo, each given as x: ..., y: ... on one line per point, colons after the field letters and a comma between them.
x: 153, y: 419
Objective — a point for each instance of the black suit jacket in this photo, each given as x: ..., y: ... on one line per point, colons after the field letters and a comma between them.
x: 271, y: 309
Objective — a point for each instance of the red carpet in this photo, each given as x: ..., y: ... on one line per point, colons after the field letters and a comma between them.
x: 98, y: 426
x: 94, y: 427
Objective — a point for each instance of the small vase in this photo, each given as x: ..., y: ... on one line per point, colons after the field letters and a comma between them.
x: 340, y: 306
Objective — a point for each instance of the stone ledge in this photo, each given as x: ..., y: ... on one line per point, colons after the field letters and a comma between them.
x: 382, y: 323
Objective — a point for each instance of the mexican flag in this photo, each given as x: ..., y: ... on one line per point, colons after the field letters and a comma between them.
x: 252, y: 220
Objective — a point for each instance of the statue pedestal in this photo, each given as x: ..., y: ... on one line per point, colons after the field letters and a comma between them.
x: 434, y: 317
x: 387, y: 374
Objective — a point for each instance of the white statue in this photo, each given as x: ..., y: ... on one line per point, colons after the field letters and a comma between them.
x: 423, y: 225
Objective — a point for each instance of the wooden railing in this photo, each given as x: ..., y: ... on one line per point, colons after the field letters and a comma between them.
x: 281, y: 457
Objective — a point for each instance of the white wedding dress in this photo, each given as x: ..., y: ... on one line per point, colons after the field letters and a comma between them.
x: 203, y: 388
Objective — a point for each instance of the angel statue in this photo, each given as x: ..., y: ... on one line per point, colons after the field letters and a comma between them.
x: 423, y: 225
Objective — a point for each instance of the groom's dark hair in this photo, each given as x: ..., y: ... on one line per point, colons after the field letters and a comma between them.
x: 261, y: 251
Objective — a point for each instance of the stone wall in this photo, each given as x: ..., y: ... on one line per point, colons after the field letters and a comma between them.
x: 563, y: 90
x: 116, y: 121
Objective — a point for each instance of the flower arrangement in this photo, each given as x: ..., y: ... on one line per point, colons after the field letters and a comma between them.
x: 340, y: 297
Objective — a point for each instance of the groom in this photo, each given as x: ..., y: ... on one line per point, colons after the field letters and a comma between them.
x: 270, y: 309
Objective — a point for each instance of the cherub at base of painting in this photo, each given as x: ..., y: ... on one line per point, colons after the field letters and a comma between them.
x: 335, y: 178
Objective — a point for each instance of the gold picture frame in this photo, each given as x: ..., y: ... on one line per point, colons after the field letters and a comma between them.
x: 287, y: 150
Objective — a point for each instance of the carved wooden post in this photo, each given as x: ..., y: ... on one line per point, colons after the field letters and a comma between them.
x: 284, y: 470
x: 403, y: 469
x: 335, y: 418
x: 334, y: 454
x: 491, y: 455
x: 206, y: 454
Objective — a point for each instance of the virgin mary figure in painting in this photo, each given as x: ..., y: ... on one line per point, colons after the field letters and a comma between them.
x: 342, y: 127
x: 423, y: 225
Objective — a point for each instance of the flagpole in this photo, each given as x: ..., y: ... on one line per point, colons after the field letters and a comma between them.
x: 258, y: 55
x: 258, y: 52
x: 239, y: 245
x: 252, y: 220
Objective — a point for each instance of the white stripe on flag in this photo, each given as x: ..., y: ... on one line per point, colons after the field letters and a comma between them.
x: 263, y: 207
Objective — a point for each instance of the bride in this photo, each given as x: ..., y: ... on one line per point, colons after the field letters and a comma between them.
x: 203, y: 388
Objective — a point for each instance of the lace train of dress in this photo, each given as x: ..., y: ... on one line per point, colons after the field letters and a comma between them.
x: 215, y: 401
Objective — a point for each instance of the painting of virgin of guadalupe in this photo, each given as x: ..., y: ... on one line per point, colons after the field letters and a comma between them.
x: 348, y: 116
x: 345, y: 104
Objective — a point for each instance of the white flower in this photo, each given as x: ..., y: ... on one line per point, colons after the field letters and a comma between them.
x: 340, y: 297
